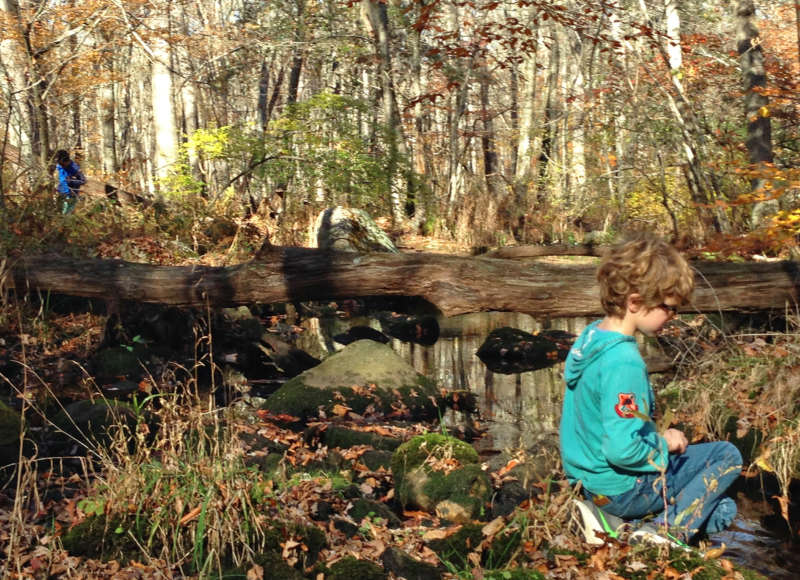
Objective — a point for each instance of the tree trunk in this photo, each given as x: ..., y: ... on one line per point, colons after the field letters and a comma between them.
x: 754, y: 79
x: 106, y: 109
x: 376, y: 17
x: 162, y: 101
x: 15, y: 99
x: 490, y: 164
x: 456, y: 285
x: 574, y: 133
x: 701, y: 183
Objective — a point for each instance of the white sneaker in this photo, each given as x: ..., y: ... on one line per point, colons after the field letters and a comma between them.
x: 591, y: 521
x: 649, y: 534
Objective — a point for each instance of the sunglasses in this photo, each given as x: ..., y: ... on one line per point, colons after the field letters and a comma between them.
x: 670, y: 309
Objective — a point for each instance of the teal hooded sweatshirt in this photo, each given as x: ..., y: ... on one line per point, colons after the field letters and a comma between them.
x: 605, y: 439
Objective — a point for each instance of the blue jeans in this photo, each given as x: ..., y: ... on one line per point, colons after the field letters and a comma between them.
x: 696, y: 482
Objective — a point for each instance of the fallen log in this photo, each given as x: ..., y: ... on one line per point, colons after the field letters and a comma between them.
x: 519, y: 252
x: 455, y: 284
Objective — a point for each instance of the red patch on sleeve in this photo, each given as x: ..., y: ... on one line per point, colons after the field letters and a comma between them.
x: 626, y: 405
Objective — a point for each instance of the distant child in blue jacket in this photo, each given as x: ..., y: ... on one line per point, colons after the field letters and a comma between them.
x: 609, y: 442
x: 70, y: 179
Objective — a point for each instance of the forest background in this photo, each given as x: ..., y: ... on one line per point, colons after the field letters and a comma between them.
x: 481, y: 121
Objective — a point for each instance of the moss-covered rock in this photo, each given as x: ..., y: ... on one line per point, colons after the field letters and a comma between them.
x: 103, y: 538
x: 435, y: 468
x: 10, y: 424
x: 403, y: 565
x: 119, y: 362
x: 93, y: 422
x: 311, y: 537
x: 350, y: 568
x: 375, y: 460
x: 364, y: 375
x: 274, y: 566
x: 365, y: 508
x: 335, y: 436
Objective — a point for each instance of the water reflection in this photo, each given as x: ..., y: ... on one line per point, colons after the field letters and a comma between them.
x: 520, y: 408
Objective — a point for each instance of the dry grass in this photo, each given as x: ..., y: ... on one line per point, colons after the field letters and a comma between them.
x: 743, y: 386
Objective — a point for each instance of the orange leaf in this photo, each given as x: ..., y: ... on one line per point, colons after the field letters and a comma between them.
x: 784, y: 502
x: 190, y: 516
x: 508, y: 467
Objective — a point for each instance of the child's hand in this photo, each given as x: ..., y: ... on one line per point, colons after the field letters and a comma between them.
x: 676, y: 440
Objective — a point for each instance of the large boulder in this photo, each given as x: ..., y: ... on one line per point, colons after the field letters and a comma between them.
x: 351, y: 230
x: 365, y: 376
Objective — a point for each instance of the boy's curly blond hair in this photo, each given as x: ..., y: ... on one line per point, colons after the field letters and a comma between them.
x: 643, y: 264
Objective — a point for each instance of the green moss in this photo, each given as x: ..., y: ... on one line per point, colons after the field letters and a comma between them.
x: 404, y: 566
x: 275, y: 566
x: 375, y: 460
x: 350, y: 568
x: 311, y: 537
x: 503, y: 548
x: 10, y: 425
x: 103, y: 538
x: 455, y: 548
x: 119, y: 361
x: 415, y: 451
x: 268, y: 464
x: 419, y: 402
x: 298, y: 400
x: 551, y: 552
x: 688, y: 563
x: 363, y: 508
x: 335, y: 436
x: 467, y: 485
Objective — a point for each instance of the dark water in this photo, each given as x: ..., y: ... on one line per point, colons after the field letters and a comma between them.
x: 522, y: 409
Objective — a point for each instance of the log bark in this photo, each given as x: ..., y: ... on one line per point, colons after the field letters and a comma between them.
x: 518, y: 252
x: 455, y: 284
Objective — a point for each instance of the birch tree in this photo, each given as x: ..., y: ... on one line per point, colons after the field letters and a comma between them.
x: 17, y: 105
x: 163, y: 100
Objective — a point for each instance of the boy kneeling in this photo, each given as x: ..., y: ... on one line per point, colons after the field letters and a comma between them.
x: 608, y: 441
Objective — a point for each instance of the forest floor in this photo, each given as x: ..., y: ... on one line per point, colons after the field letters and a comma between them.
x: 32, y: 529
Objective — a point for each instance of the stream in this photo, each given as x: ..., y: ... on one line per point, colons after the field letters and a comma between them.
x: 520, y: 409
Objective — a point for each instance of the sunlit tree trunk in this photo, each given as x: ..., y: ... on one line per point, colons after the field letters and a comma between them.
x: 457, y: 106
x: 574, y: 134
x: 375, y: 15
x: 164, y: 129
x: 526, y: 144
x: 106, y: 109
x: 756, y: 103
x: 701, y: 182
x: 548, y: 174
x: 491, y: 168
x: 15, y: 97
x: 673, y: 20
